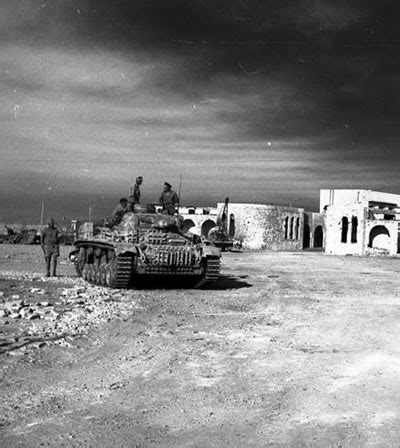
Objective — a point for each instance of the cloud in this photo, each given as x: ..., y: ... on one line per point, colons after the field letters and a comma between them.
x: 96, y: 92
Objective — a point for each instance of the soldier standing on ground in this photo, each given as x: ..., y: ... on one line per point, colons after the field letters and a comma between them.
x: 49, y: 240
x: 119, y: 212
x: 168, y: 199
x: 134, y: 196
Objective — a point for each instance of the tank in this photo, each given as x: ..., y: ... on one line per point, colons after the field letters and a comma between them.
x: 145, y: 244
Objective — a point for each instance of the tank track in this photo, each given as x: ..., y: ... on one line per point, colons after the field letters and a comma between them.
x: 117, y: 273
x: 211, y: 272
x: 122, y: 272
x: 213, y: 269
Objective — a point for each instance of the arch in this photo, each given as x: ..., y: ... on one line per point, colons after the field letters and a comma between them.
x: 345, y: 229
x: 207, y: 226
x: 379, y: 237
x: 297, y: 228
x: 306, y: 236
x: 291, y: 228
x: 187, y: 225
x: 286, y: 227
x: 232, y: 227
x: 354, y: 229
x: 319, y: 237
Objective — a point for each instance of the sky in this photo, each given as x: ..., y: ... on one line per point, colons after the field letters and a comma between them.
x: 264, y: 101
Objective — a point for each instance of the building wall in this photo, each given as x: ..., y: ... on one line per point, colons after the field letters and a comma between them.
x: 344, y: 198
x: 334, y: 226
x: 377, y: 224
x: 259, y: 226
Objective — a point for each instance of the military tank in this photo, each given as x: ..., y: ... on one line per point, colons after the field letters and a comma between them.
x: 145, y: 244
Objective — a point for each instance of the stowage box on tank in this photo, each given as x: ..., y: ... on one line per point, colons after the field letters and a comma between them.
x: 145, y: 244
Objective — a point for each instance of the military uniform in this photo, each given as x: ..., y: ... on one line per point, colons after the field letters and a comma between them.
x: 117, y: 214
x: 49, y: 241
x: 168, y: 199
x: 134, y: 196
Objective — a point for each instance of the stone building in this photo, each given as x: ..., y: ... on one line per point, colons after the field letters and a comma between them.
x: 361, y: 222
x: 272, y: 227
x: 255, y: 226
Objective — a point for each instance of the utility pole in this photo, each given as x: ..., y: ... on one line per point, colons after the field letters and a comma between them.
x: 42, y: 214
x: 179, y: 192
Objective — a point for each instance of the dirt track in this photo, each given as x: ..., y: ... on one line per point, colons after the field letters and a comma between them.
x: 288, y: 349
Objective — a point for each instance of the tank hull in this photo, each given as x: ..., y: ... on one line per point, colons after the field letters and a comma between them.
x: 121, y: 264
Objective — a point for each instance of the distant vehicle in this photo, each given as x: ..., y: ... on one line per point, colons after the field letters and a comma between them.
x: 219, y: 235
x: 146, y: 244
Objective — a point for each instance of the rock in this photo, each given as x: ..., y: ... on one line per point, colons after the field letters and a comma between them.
x: 3, y: 313
x: 24, y: 312
x: 34, y: 316
x: 38, y: 291
x: 1, y: 293
x: 50, y: 315
x: 15, y: 315
x: 44, y: 304
x: 15, y: 297
x: 12, y: 306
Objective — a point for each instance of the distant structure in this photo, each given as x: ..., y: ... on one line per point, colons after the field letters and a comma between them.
x: 199, y: 220
x: 361, y: 222
x: 254, y: 226
x: 271, y: 227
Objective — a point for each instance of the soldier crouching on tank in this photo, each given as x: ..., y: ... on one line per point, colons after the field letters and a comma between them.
x: 50, y: 240
x: 168, y: 199
x: 119, y: 212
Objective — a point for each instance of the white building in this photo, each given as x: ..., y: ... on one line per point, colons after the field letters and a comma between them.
x: 361, y: 222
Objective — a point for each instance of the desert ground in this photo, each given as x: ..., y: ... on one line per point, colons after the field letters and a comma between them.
x: 286, y: 349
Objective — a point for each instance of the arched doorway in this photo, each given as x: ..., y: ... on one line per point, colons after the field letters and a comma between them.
x: 354, y: 229
x: 306, y: 236
x: 345, y: 228
x: 318, y: 237
x: 187, y: 225
x: 232, y: 228
x: 379, y: 238
x: 207, y: 226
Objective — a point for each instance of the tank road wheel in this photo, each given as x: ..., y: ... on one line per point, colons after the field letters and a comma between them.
x: 103, y: 274
x: 85, y: 272
x: 108, y: 275
x: 91, y: 273
x: 97, y: 273
x: 88, y: 277
x: 80, y: 262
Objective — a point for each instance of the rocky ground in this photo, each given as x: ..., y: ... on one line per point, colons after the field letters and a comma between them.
x: 286, y: 349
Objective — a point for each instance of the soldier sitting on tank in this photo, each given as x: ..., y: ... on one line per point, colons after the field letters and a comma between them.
x: 168, y: 199
x: 134, y: 196
x: 119, y: 212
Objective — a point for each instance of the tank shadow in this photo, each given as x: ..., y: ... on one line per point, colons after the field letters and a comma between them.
x: 228, y: 282
x: 224, y: 282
